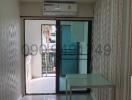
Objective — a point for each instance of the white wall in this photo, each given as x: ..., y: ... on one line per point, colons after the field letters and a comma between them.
x: 10, y: 51
x: 86, y: 10
x: 35, y: 9
x: 30, y: 9
x: 33, y: 36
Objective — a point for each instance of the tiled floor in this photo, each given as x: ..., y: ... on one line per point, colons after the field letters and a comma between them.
x: 57, y: 97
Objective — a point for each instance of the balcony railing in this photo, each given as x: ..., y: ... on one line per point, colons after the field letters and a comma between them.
x: 48, y: 62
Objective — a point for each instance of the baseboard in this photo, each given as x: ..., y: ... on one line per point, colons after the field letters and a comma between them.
x: 20, y: 98
x: 93, y: 96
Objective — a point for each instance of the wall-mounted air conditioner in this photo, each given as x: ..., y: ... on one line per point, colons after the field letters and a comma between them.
x: 60, y: 9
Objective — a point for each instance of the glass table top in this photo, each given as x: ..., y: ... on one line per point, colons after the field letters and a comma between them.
x: 87, y: 80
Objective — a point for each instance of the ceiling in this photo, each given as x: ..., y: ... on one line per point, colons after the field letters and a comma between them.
x: 81, y: 1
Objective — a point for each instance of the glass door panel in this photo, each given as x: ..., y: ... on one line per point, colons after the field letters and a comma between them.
x: 73, y: 47
x: 68, y: 63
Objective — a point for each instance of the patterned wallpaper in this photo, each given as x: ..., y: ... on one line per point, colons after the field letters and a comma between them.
x: 10, y: 62
x: 112, y: 46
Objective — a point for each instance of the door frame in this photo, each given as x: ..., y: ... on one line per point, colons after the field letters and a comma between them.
x: 58, y: 19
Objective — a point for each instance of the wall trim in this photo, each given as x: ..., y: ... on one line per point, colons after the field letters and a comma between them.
x: 93, y: 96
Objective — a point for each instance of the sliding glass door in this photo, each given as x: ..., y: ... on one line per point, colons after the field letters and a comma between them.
x: 74, y: 50
x: 54, y: 48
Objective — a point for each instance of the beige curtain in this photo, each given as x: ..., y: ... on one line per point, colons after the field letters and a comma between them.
x: 112, y: 46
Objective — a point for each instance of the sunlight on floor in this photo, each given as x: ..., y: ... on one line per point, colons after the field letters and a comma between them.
x: 41, y: 85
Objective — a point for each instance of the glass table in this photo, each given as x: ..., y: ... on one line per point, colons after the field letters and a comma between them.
x: 78, y: 81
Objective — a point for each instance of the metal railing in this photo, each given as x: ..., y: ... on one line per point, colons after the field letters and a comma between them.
x: 48, y: 62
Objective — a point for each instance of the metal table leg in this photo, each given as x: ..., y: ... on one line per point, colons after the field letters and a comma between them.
x: 70, y: 93
x: 66, y: 90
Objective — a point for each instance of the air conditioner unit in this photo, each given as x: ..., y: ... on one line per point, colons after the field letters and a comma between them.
x: 60, y: 9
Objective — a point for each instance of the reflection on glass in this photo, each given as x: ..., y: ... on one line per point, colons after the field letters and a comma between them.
x: 74, y: 40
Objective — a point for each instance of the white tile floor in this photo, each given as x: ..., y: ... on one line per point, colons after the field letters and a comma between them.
x: 58, y: 97
x: 41, y: 85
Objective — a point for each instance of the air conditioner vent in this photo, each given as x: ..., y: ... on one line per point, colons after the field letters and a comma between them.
x: 60, y: 9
